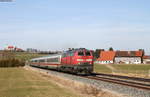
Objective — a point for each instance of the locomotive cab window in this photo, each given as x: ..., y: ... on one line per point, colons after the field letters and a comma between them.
x: 71, y: 54
x: 87, y: 53
x: 80, y: 53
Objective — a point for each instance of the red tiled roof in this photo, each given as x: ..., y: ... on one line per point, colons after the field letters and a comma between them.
x: 146, y: 57
x: 138, y: 53
x: 129, y: 53
x: 106, y: 56
x: 10, y: 46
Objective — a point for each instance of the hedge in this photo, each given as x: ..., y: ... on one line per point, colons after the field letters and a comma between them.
x: 11, y: 63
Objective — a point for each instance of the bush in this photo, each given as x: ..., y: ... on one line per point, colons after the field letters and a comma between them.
x: 11, y: 63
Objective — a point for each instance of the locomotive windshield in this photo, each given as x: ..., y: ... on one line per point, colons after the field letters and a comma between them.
x: 87, y: 53
x: 80, y: 53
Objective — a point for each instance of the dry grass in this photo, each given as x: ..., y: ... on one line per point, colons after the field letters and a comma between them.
x: 77, y: 87
x: 18, y: 82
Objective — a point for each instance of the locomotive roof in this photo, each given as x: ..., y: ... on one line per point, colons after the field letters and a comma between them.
x: 78, y: 49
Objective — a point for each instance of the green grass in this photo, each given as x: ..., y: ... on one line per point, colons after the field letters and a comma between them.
x: 101, y: 68
x: 140, y: 69
x: 133, y: 68
x: 17, y: 82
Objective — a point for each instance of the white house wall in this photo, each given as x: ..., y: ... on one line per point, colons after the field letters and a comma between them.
x: 128, y: 60
x: 146, y: 61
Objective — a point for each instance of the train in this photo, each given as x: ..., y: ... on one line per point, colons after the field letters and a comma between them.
x: 75, y: 61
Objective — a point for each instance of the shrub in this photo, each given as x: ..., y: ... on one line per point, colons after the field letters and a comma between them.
x: 11, y: 63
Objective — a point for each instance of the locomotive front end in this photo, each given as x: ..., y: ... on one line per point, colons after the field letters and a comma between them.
x: 84, y: 61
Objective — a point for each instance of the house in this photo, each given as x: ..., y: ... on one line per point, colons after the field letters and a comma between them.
x: 10, y: 48
x: 146, y: 59
x: 128, y: 57
x: 106, y: 57
x: 120, y: 57
x: 13, y: 48
x: 19, y: 50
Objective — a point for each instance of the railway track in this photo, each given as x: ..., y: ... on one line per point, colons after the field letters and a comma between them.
x: 123, y: 77
x: 127, y: 86
x: 139, y: 83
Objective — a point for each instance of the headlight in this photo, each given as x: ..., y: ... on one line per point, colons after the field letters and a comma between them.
x: 88, y: 59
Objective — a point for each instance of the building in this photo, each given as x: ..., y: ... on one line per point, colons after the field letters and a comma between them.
x: 106, y: 57
x: 19, y: 50
x: 10, y: 48
x: 146, y: 59
x: 13, y: 48
x: 128, y: 57
x: 120, y: 57
x: 32, y: 50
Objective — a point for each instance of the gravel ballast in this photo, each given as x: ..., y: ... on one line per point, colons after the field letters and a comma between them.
x: 124, y: 91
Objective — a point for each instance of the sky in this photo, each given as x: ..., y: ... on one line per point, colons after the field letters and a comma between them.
x: 62, y: 24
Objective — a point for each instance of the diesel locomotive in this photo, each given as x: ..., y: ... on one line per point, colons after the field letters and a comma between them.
x: 77, y: 61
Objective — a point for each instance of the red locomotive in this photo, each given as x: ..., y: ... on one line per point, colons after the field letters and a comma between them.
x: 78, y: 61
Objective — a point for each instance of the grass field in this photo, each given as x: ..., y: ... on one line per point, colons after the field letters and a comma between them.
x: 17, y: 82
x: 127, y: 69
x: 26, y: 56
x: 101, y: 68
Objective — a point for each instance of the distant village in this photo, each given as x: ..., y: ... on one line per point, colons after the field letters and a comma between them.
x: 29, y: 50
x: 123, y: 57
x: 101, y: 56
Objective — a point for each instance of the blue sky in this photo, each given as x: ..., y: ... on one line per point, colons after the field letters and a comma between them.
x: 60, y: 24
